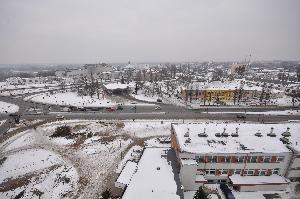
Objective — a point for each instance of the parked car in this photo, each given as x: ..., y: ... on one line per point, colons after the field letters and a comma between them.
x: 111, y: 109
x: 60, y: 117
x: 241, y: 116
x: 81, y: 108
x: 158, y: 108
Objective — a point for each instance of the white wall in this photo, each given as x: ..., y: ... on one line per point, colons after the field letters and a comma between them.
x: 188, y: 177
x: 280, y: 187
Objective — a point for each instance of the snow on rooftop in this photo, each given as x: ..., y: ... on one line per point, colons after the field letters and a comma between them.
x: 218, y: 85
x: 127, y: 173
x: 153, y: 179
x: 250, y: 180
x: 113, y: 86
x: 246, y: 142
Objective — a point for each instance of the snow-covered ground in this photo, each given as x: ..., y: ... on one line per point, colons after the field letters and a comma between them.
x: 31, y: 173
x: 70, y: 99
x: 90, y: 155
x: 73, y: 99
x: 8, y: 108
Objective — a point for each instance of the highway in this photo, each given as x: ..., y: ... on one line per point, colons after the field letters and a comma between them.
x: 147, y: 111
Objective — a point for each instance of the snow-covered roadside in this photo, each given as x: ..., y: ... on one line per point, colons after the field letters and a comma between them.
x: 145, y: 98
x: 286, y: 112
x: 8, y: 108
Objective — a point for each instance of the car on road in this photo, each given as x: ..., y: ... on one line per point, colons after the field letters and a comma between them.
x: 111, y: 109
x: 133, y: 107
x: 119, y: 107
x: 241, y: 116
x: 60, y: 117
x: 158, y: 108
x: 81, y: 108
x: 65, y: 109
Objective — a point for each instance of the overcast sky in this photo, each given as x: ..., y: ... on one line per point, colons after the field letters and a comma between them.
x: 89, y: 31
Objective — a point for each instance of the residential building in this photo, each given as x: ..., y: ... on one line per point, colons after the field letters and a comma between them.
x: 212, y: 152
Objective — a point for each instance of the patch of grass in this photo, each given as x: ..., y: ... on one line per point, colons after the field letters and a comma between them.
x: 120, y: 125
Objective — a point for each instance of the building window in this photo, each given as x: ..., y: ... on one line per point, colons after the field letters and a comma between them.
x: 212, y: 159
x: 275, y: 171
x: 224, y: 171
x: 210, y: 172
x: 237, y: 171
x: 280, y: 159
x: 240, y: 159
x: 200, y: 159
x: 227, y: 159
x: 266, y: 159
x: 262, y: 172
x: 252, y: 159
x: 250, y: 172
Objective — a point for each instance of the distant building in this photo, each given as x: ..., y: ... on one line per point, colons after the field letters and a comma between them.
x: 218, y: 91
x: 116, y: 88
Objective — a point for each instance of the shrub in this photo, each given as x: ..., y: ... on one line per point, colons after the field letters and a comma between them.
x: 62, y: 131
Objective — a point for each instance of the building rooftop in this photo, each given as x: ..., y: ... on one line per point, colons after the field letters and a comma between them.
x: 127, y: 173
x: 114, y: 86
x: 257, y: 180
x: 252, y: 137
x: 154, y: 177
x: 218, y: 85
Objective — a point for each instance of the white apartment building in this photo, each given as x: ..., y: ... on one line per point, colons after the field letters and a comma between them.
x: 211, y: 152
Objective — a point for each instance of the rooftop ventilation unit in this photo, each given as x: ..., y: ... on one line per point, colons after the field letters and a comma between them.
x: 187, y: 134
x: 203, y: 134
x: 258, y: 134
x: 271, y: 134
x: 284, y: 140
x: 236, y: 134
x: 188, y: 140
x: 286, y: 133
x: 224, y: 134
x: 218, y: 135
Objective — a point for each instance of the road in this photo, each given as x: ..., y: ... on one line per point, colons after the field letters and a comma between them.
x: 146, y: 111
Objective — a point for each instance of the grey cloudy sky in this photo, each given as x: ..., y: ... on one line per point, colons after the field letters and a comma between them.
x: 89, y: 31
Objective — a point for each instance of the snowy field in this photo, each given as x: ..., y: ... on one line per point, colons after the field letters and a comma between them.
x: 25, y: 91
x: 73, y: 99
x: 8, y: 108
x: 79, y: 165
x: 68, y: 99
x: 33, y: 172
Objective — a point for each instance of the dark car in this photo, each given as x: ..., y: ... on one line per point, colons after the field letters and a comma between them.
x: 241, y: 116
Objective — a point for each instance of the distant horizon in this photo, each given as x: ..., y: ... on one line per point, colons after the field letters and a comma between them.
x: 152, y: 62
